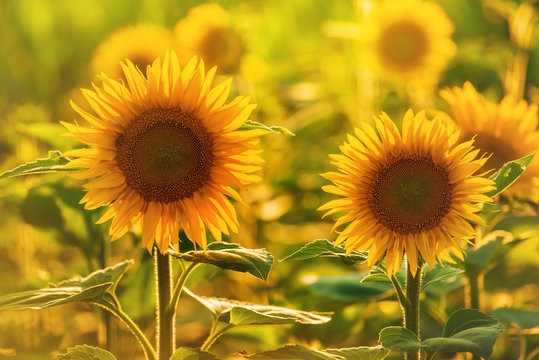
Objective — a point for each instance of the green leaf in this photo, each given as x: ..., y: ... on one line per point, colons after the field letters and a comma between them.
x: 253, y: 125
x: 55, y: 162
x: 439, y: 273
x: 523, y: 319
x: 509, y: 172
x: 231, y: 257
x: 325, y: 248
x: 89, y: 289
x: 400, y: 339
x: 466, y: 330
x: 185, y: 353
x: 85, y: 352
x: 236, y: 313
x: 377, y: 275
x: 298, y: 352
x: 348, y: 288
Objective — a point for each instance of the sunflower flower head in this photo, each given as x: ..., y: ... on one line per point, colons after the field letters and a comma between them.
x: 504, y: 131
x: 165, y: 149
x: 411, y: 40
x: 141, y: 43
x: 206, y: 32
x: 406, y: 192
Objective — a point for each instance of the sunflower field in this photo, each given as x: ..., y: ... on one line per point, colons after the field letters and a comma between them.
x: 285, y: 179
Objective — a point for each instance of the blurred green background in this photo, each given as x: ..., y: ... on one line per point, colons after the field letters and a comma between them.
x: 304, y: 72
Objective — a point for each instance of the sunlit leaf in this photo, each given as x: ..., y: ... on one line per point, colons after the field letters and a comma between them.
x: 231, y: 257
x: 509, y: 173
x: 54, y: 162
x: 400, y: 339
x: 89, y: 289
x: 523, y: 319
x: 185, y: 353
x: 241, y: 313
x: 325, y: 248
x: 85, y: 352
x: 253, y: 125
x: 301, y: 352
x: 439, y: 273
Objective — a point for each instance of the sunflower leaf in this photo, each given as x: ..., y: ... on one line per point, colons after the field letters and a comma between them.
x: 54, y: 162
x: 85, y: 352
x: 466, y: 330
x: 508, y: 174
x: 325, y: 248
x: 185, y: 353
x: 236, y: 313
x: 253, y: 125
x: 439, y: 273
x: 301, y: 352
x: 229, y: 256
x: 348, y: 287
x: 523, y: 319
x: 92, y: 288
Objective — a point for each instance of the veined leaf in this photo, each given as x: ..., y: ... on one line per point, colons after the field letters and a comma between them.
x: 55, y: 162
x: 253, y: 125
x: 509, y: 172
x: 438, y: 273
x: 231, y: 257
x: 325, y: 248
x: 466, y: 330
x: 237, y: 313
x: 89, y: 289
x: 298, y: 352
x: 85, y: 352
x: 185, y: 353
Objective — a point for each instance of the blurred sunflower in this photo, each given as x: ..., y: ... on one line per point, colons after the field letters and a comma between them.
x: 164, y: 150
x: 206, y: 32
x: 411, y: 40
x: 505, y: 131
x: 140, y: 43
x: 406, y: 193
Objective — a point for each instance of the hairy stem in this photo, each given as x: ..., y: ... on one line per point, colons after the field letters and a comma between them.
x: 165, y: 324
x: 411, y: 312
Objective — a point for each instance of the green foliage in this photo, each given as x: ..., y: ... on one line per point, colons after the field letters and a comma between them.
x: 185, y: 353
x: 230, y: 256
x: 509, y: 173
x: 466, y: 330
x: 301, y: 352
x: 236, y: 313
x: 85, y: 352
x: 89, y: 289
x: 348, y: 288
x: 324, y: 248
x: 54, y: 162
x: 523, y: 319
x: 253, y: 125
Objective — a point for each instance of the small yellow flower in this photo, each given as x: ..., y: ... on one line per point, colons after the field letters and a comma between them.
x: 141, y: 43
x: 164, y: 150
x: 406, y: 192
x: 206, y: 32
x: 411, y: 40
x: 505, y: 131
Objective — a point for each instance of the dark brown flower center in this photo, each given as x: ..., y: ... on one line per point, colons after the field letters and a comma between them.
x: 403, y: 45
x: 165, y: 154
x: 410, y: 194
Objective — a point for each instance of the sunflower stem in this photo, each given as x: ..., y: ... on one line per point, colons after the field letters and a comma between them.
x: 400, y: 293
x: 170, y: 311
x: 165, y: 324
x: 411, y: 312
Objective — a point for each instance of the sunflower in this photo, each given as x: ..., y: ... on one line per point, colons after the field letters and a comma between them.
x: 408, y: 193
x: 206, y: 32
x: 411, y: 40
x: 505, y: 131
x: 164, y: 150
x: 141, y: 43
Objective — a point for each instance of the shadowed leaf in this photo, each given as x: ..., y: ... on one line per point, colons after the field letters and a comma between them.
x: 325, y: 248
x: 85, y: 352
x: 298, y: 352
x: 185, y: 353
